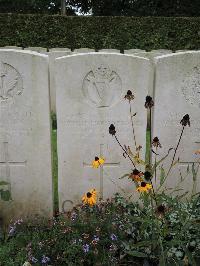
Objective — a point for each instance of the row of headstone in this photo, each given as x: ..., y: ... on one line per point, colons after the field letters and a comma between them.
x: 54, y: 53
x: 90, y: 90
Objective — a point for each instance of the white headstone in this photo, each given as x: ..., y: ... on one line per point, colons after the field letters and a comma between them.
x: 59, y: 49
x: 134, y: 51
x: 25, y: 144
x: 37, y: 49
x: 52, y: 56
x: 177, y: 92
x: 110, y: 50
x: 84, y: 50
x: 90, y: 97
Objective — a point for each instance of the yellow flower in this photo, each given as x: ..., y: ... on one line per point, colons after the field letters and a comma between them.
x: 98, y: 162
x: 90, y: 197
x: 144, y: 187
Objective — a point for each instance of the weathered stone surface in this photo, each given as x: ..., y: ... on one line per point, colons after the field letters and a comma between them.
x: 134, y: 51
x: 37, y: 49
x: 110, y: 50
x: 59, y: 49
x: 25, y: 146
x: 177, y: 92
x: 52, y: 56
x: 84, y: 50
x: 90, y: 96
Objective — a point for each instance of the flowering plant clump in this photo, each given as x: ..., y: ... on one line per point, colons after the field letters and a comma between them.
x: 112, y: 232
x: 144, y: 175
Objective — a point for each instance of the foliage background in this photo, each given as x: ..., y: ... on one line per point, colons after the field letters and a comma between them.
x: 100, y: 32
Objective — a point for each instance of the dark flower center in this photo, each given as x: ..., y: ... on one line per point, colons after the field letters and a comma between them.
x: 135, y: 172
x: 161, y: 208
x: 89, y: 195
x: 96, y: 158
x: 143, y: 184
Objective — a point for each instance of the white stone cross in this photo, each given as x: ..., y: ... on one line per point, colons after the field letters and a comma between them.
x: 6, y: 161
x: 102, y: 169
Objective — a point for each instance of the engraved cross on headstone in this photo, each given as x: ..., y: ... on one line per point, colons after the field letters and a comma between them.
x: 7, y: 162
x: 102, y: 169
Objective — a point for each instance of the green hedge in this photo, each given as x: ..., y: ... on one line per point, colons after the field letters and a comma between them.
x: 100, y: 32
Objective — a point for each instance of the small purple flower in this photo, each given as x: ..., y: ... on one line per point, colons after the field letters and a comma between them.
x: 73, y: 216
x: 12, y: 230
x: 96, y: 238
x: 33, y: 260
x: 113, y: 237
x: 86, y: 248
x: 20, y: 221
x: 45, y: 259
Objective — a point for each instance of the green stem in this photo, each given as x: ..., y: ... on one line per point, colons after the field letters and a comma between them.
x: 155, y: 165
x: 175, y: 151
x: 132, y: 125
x: 124, y: 151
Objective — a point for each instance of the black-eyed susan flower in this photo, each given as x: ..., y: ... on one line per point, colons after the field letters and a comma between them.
x: 144, y: 187
x: 98, y: 162
x: 136, y: 175
x: 185, y: 120
x: 112, y: 130
x: 90, y: 197
x: 129, y: 96
x: 156, y: 143
x: 149, y: 103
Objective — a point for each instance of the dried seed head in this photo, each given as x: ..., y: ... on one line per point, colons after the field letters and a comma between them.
x: 149, y: 103
x: 156, y: 142
x: 185, y: 120
x: 112, y: 130
x: 129, y: 96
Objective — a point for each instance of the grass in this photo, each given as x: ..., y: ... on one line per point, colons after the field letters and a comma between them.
x: 55, y: 169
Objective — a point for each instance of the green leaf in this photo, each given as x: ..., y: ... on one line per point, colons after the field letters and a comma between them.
x: 135, y: 253
x: 2, y: 183
x: 161, y: 160
x: 5, y: 195
x: 194, y: 173
x: 162, y: 175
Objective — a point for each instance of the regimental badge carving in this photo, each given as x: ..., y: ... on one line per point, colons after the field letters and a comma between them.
x: 11, y: 83
x: 191, y: 87
x: 102, y: 87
